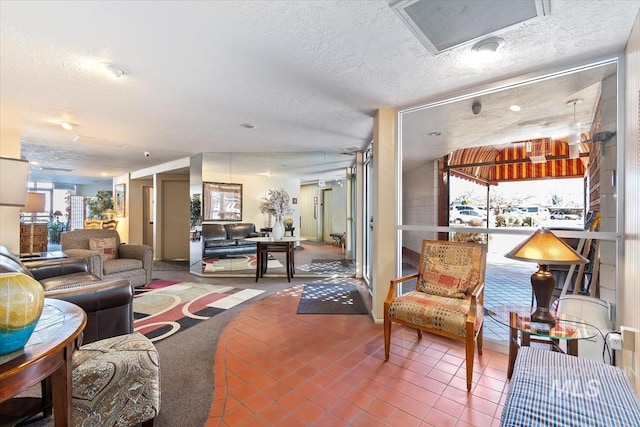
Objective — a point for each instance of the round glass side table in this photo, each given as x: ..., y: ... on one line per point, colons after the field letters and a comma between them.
x: 521, y: 329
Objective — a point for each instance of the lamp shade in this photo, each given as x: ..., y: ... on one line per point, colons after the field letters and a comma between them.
x: 14, y: 174
x: 35, y: 203
x: 544, y: 247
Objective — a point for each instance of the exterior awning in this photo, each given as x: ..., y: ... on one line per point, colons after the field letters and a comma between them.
x: 521, y: 161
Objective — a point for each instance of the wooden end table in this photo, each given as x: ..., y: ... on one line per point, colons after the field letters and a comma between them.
x: 48, y: 354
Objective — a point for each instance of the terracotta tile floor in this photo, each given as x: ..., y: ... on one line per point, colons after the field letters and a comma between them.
x: 274, y: 367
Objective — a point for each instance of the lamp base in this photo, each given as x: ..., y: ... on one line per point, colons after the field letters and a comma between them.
x: 543, y: 315
x: 543, y: 284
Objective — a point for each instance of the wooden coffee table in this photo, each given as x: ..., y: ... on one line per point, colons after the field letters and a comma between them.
x: 48, y: 354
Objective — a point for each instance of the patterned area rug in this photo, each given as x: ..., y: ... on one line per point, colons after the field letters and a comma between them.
x: 165, y: 307
x: 240, y: 262
x: 331, y: 299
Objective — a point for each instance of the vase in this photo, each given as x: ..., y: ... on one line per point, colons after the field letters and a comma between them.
x: 277, y: 231
x: 21, y: 302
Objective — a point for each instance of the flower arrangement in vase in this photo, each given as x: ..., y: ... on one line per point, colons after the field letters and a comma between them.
x: 277, y: 203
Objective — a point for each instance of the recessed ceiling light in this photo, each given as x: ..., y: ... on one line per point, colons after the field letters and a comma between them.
x: 248, y: 125
x: 436, y: 133
x: 489, y: 45
x: 67, y: 125
x: 114, y: 70
x: 514, y: 107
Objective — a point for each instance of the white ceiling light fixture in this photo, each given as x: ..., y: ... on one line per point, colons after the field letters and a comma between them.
x: 114, y: 70
x: 67, y: 125
x: 514, y: 108
x: 488, y: 46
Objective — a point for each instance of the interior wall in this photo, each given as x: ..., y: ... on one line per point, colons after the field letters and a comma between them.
x: 134, y: 215
x: 10, y: 215
x: 175, y: 213
x: 629, y: 290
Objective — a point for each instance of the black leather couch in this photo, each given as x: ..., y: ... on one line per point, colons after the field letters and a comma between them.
x: 228, y: 239
x: 108, y: 303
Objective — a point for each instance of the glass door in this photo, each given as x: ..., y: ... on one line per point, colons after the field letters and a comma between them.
x: 368, y: 215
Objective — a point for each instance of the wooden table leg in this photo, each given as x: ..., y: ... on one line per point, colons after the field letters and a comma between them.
x: 61, y: 387
x: 513, y: 350
x: 572, y: 347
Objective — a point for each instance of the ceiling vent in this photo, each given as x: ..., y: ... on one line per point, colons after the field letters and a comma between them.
x: 443, y: 25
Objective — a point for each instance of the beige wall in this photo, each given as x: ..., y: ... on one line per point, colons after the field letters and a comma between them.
x: 9, y: 215
x: 629, y: 295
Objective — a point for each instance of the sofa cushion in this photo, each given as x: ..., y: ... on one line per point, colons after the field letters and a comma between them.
x: 119, y: 265
x: 105, y: 246
x: 239, y: 230
x: 219, y: 243
x: 213, y: 232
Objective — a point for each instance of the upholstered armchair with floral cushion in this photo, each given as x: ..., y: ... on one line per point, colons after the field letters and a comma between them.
x: 108, y: 258
x: 448, y: 299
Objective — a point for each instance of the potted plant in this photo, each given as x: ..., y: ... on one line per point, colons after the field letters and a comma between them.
x: 100, y: 203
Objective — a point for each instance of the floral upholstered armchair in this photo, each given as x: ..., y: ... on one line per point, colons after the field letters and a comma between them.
x: 448, y: 299
x: 108, y: 258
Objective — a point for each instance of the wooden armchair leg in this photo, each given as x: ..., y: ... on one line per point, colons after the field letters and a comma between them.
x: 469, y: 362
x: 387, y: 338
x: 479, y: 339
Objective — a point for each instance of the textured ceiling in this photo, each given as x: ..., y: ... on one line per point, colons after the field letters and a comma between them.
x: 308, y: 74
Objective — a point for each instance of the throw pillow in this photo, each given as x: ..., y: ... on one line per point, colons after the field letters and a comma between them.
x: 445, y: 280
x: 106, y: 247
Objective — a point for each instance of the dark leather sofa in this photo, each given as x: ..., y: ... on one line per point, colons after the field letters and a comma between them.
x: 108, y: 303
x: 228, y: 239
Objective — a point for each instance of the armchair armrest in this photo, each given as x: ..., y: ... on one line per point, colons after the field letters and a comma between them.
x: 477, y: 303
x: 393, y: 286
x: 143, y: 253
x: 108, y: 304
x: 53, y: 268
x: 93, y: 259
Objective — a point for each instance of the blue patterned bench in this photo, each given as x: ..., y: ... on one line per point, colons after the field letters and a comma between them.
x: 553, y: 389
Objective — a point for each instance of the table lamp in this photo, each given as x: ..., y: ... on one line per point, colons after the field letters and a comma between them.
x: 544, y: 248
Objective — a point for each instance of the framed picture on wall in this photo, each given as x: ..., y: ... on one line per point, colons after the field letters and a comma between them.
x: 119, y: 199
x: 221, y: 201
